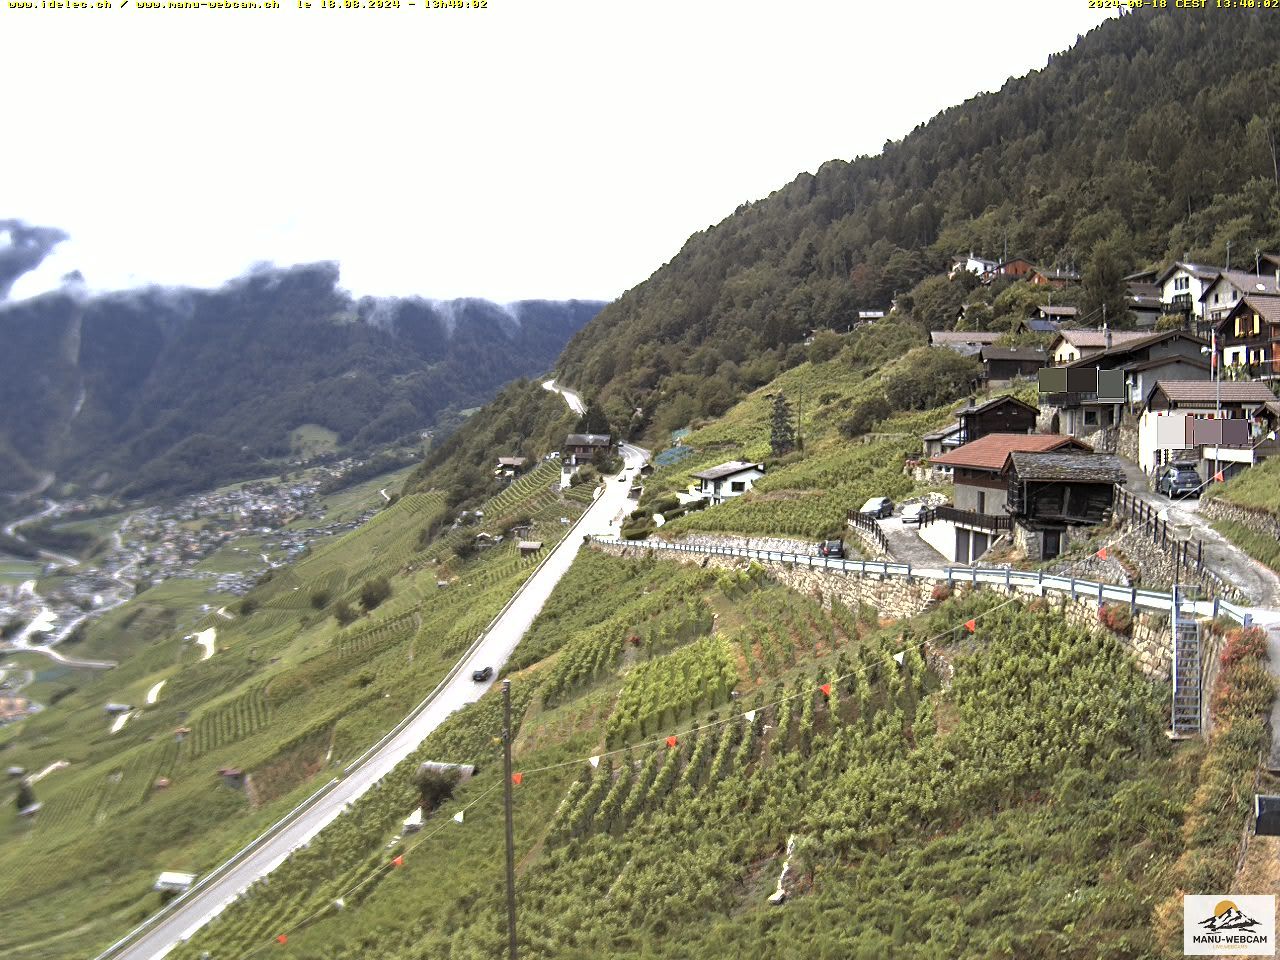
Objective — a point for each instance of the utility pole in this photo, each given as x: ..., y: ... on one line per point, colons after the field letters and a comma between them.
x: 1228, y: 254
x: 511, y: 842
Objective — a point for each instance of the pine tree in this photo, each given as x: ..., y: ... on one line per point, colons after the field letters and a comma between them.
x: 782, y: 436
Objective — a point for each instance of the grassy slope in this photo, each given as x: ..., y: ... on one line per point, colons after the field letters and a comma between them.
x: 1257, y: 488
x: 804, y: 496
x: 286, y: 687
x: 1010, y: 815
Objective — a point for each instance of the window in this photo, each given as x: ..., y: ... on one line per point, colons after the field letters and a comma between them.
x: 1215, y: 298
x: 982, y: 502
x: 1091, y: 418
x: 1235, y: 295
x: 738, y: 486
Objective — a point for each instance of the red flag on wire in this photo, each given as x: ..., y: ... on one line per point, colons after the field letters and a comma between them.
x: 672, y: 741
x: 826, y: 689
x: 283, y: 938
x: 971, y: 625
x: 1102, y: 554
x: 1218, y: 476
x: 398, y: 861
x: 517, y: 778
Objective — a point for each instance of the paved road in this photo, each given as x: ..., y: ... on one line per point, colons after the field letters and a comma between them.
x: 570, y: 396
x: 1224, y: 558
x: 494, y: 650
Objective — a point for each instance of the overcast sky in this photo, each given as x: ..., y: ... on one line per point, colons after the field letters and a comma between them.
x: 536, y: 148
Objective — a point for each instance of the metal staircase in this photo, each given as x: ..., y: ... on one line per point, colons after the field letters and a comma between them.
x: 1186, y: 674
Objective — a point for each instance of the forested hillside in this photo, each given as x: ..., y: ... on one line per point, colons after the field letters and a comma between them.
x: 169, y: 390
x: 1154, y: 137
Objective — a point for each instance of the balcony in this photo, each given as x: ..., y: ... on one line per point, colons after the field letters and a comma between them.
x: 968, y: 518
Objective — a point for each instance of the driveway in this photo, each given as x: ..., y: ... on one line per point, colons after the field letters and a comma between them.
x: 906, y: 546
x: 1260, y: 584
x: 496, y: 646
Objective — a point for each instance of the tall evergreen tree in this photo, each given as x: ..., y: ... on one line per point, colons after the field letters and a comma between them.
x: 593, y: 419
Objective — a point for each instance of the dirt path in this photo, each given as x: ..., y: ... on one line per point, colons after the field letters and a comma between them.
x: 906, y: 546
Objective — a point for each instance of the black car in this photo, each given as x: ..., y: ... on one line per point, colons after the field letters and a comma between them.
x: 480, y: 676
x: 1178, y: 480
x: 831, y: 548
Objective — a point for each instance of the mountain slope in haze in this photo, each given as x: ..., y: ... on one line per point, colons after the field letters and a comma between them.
x: 164, y: 390
x: 1108, y: 146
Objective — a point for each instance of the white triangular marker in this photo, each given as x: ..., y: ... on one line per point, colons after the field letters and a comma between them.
x: 457, y: 817
x: 899, y: 657
x: 750, y: 715
x: 339, y: 903
x: 594, y: 761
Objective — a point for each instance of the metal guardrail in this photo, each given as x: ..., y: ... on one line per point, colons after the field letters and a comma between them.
x: 271, y: 831
x: 998, y: 576
x: 1138, y: 511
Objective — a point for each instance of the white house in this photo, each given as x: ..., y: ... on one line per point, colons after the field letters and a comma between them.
x: 1183, y: 284
x: 1227, y: 423
x: 1071, y: 345
x: 731, y: 479
x: 1229, y: 286
x: 972, y: 264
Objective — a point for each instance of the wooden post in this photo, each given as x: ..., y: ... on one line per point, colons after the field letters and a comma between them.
x: 511, y: 844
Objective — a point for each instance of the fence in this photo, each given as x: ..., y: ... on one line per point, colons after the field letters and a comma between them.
x: 868, y: 525
x: 986, y: 521
x: 1034, y: 580
x: 1143, y: 514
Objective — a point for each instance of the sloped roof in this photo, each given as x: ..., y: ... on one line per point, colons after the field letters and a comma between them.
x: 728, y: 469
x: 999, y: 401
x: 1084, y: 467
x: 1051, y: 311
x: 1209, y: 391
x: 1012, y: 353
x: 1247, y: 282
x: 963, y: 336
x: 947, y: 431
x: 1264, y: 306
x: 587, y: 440
x: 991, y: 451
x: 1042, y: 325
x: 1201, y: 271
x: 1098, y: 338
x: 1163, y: 361
x: 1143, y: 340
x: 512, y: 461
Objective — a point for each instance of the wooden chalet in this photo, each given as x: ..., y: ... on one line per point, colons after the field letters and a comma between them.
x: 1050, y: 491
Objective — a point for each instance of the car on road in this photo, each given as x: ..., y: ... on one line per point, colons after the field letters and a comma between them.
x: 1178, y: 479
x: 622, y: 477
x: 481, y: 675
x: 831, y: 548
x: 877, y: 507
x: 912, y: 513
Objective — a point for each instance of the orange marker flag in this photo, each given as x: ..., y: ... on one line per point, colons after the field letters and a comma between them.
x: 672, y: 741
x: 1102, y: 554
x: 283, y: 938
x: 398, y: 861
x: 517, y: 778
x: 826, y: 689
x: 1218, y: 476
x: 971, y: 625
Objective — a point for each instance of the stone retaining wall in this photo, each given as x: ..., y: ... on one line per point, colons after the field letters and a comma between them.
x: 1215, y: 508
x: 1159, y: 570
x: 897, y: 598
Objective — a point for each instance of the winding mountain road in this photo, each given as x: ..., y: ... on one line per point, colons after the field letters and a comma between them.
x: 189, y: 913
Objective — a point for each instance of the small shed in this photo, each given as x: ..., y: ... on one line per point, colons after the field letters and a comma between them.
x: 530, y: 547
x: 232, y: 776
x: 170, y: 881
x: 465, y: 771
x: 16, y: 771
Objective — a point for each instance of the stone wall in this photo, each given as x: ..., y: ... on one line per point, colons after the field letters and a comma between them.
x: 897, y: 598
x: 1159, y: 571
x: 1215, y: 508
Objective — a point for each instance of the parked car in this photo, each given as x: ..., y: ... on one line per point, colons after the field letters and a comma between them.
x: 481, y: 675
x: 831, y: 548
x: 913, y: 513
x: 877, y: 507
x: 1178, y: 479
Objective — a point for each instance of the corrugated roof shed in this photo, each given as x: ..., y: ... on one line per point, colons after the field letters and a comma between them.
x: 728, y: 469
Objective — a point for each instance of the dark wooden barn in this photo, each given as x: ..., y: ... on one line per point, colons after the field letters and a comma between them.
x: 1055, y: 490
